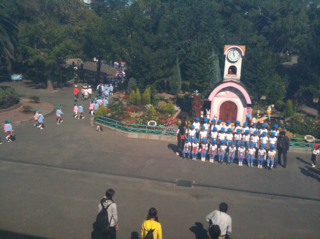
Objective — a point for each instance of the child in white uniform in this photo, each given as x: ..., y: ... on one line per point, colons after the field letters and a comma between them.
x: 250, y: 155
x: 206, y: 125
x: 218, y: 125
x: 221, y: 136
x: 253, y: 128
x: 263, y: 129
x: 213, y: 151
x: 261, y: 154
x: 204, y: 148
x: 197, y: 125
x: 232, y: 152
x: 237, y: 138
x: 254, y: 139
x: 271, y: 156
x: 241, y: 153
x: 186, y: 148
x: 273, y: 140
x: 314, y: 156
x: 222, y: 150
x: 275, y: 130
x: 245, y: 127
x: 192, y: 133
x: 195, y: 147
x: 214, y: 135
x: 246, y: 139
x: 202, y: 133
x: 264, y: 138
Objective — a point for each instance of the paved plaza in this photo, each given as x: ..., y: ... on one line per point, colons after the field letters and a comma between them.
x: 52, y: 181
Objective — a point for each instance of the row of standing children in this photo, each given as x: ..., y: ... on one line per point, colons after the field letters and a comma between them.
x: 225, y: 139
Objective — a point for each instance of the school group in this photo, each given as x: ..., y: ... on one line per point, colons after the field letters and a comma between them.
x: 218, y: 140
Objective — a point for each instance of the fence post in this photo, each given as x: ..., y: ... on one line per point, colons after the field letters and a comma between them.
x: 146, y: 129
x: 116, y: 124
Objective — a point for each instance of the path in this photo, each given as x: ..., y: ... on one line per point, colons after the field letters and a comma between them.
x: 65, y: 170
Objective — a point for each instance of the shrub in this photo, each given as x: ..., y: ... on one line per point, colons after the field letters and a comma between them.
x: 27, y: 109
x: 103, y: 110
x: 146, y: 99
x: 151, y: 110
x: 279, y: 104
x: 289, y: 109
x: 34, y: 99
x: 170, y: 107
x: 132, y: 85
x: 138, y: 97
x: 8, y: 97
x: 132, y: 98
x: 163, y: 107
x: 98, y: 112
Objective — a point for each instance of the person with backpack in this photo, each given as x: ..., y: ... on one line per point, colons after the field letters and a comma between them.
x: 151, y: 228
x: 221, y: 219
x: 99, y: 89
x: 106, y: 224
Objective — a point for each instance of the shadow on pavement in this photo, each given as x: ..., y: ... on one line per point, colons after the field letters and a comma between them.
x: 13, y: 235
x: 199, y: 231
x: 173, y: 147
x: 134, y: 235
x: 303, y: 161
x: 310, y: 172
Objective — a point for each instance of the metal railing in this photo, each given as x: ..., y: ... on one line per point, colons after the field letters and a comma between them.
x: 302, y: 143
x: 137, y: 128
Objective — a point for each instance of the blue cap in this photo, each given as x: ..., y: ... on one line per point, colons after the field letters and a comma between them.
x: 197, y: 119
x: 255, y: 132
x: 233, y: 143
x: 205, y: 119
x: 196, y: 139
x: 264, y: 125
x: 219, y: 121
x: 238, y: 130
x: 254, y: 123
x: 192, y: 127
x: 215, y: 128
x: 187, y: 138
x: 273, y: 134
x: 202, y: 127
x: 252, y: 144
x: 228, y: 121
x: 262, y: 145
x: 222, y: 129
x: 223, y: 141
x: 204, y: 140
x: 242, y: 143
x: 276, y: 126
x: 264, y: 133
x: 229, y: 129
x: 272, y: 147
x: 237, y: 122
x: 245, y: 123
x: 247, y: 132
x: 214, y: 141
x: 213, y: 120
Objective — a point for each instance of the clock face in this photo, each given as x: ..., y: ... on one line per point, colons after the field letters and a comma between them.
x: 233, y: 55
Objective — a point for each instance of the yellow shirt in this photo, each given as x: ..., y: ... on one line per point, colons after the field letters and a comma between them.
x: 148, y: 225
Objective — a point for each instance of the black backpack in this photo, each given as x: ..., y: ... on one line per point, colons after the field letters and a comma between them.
x: 149, y: 234
x: 100, y: 89
x: 102, y: 221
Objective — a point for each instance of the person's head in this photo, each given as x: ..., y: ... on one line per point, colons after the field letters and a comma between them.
x: 187, y: 140
x: 228, y: 122
x: 153, y: 214
x: 214, y: 142
x: 219, y: 121
x: 276, y: 126
x: 316, y: 145
x: 251, y: 145
x: 223, y: 142
x: 239, y: 131
x: 254, y: 125
x: 197, y: 119
x: 9, y: 121
x: 247, y: 131
x: 205, y: 120
x: 213, y: 121
x: 40, y: 111
x: 110, y: 193
x: 223, y: 207
x: 271, y: 148
x: 264, y: 134
x: 215, y: 129
x: 282, y: 133
x: 233, y: 144
x: 261, y: 146
x: 255, y: 132
x: 203, y: 128
x: 242, y: 145
x: 273, y: 134
x: 192, y: 127
x: 237, y: 122
x: 222, y: 130
x: 245, y: 124
x: 264, y: 126
x: 35, y: 110
x: 229, y: 130
x: 214, y: 231
x: 75, y: 86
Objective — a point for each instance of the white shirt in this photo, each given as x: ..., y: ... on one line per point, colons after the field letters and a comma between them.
x: 254, y: 139
x: 276, y: 132
x: 195, y: 145
x: 85, y: 91
x: 252, y: 130
x: 264, y: 139
x: 90, y: 91
x: 244, y: 129
x: 236, y: 128
x: 214, y: 134
x: 213, y: 147
x: 221, y: 219
x: 206, y: 125
x: 204, y: 146
x: 203, y: 134
x: 192, y: 132
x: 229, y: 136
x: 315, y: 152
x: 246, y: 137
x: 263, y: 130
x: 196, y: 125
x: 223, y: 147
x: 232, y: 149
x: 271, y: 154
x: 222, y: 136
x: 218, y: 126
x: 251, y: 151
x: 212, y: 126
x: 273, y: 140
x: 187, y: 145
x: 241, y: 150
x: 262, y: 151
x: 237, y: 136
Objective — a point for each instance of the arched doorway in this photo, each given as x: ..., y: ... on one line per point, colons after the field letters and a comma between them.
x: 228, y: 111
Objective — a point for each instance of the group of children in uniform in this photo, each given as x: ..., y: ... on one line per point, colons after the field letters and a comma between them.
x: 38, y: 118
x: 8, y: 130
x: 218, y: 140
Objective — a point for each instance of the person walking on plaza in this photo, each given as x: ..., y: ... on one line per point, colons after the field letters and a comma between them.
x: 59, y: 113
x: 151, y: 228
x: 76, y: 91
x: 314, y: 156
x: 222, y: 219
x: 35, y: 117
x: 40, y: 119
x: 107, y: 204
x: 283, y: 148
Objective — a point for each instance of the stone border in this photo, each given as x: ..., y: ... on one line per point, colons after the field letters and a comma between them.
x: 134, y: 135
x: 11, y: 108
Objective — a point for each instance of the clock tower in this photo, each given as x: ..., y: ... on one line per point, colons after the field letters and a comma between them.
x: 233, y: 62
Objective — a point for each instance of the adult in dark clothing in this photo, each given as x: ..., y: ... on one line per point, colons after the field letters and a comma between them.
x: 283, y: 148
x: 181, y: 135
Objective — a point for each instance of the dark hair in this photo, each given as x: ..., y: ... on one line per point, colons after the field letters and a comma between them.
x: 223, y: 207
x: 283, y: 133
x: 214, y: 231
x: 153, y: 214
x: 110, y: 193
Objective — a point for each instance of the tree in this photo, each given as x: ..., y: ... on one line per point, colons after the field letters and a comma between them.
x: 170, y: 108
x: 132, y: 98
x: 146, y: 97
x: 175, y: 79
x: 151, y: 110
x: 163, y: 107
x: 289, y: 109
x: 138, y: 97
x: 132, y: 85
x: 8, y: 36
x: 215, y: 72
x: 276, y: 89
